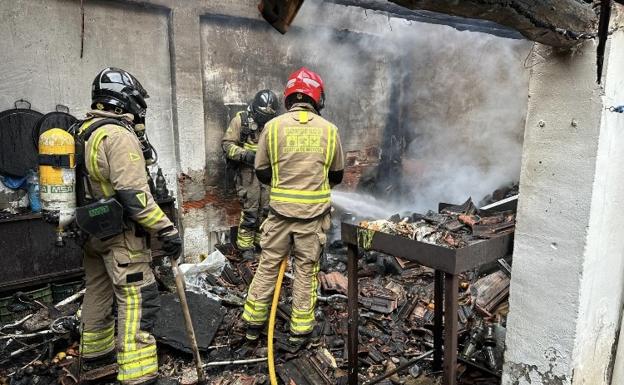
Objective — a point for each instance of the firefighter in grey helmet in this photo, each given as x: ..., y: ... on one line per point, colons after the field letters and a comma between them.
x: 239, y: 145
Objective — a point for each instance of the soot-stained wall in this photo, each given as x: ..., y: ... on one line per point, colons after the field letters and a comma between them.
x: 391, y: 84
x: 241, y: 56
x: 428, y: 89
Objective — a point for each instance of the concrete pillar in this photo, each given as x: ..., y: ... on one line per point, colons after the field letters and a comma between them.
x: 185, y: 47
x: 188, y: 107
x: 614, y: 181
x: 568, y: 270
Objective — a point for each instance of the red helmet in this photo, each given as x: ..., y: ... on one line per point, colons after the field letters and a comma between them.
x: 308, y: 83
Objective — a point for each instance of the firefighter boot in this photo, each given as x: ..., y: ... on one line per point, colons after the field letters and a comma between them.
x: 97, y: 369
x: 253, y: 332
x: 248, y: 255
x: 296, y: 342
x: 161, y: 381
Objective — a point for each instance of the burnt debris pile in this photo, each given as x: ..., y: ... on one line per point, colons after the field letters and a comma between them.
x: 454, y: 226
x: 396, y: 299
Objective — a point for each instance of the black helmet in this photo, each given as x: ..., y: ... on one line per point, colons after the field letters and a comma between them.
x: 264, y: 106
x: 117, y: 90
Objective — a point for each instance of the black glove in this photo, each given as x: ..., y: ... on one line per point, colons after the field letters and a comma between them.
x: 249, y: 157
x: 171, y: 243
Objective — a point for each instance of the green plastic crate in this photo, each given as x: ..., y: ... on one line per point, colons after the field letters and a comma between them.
x: 61, y: 291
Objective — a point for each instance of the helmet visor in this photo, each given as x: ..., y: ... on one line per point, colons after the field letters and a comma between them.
x: 263, y: 114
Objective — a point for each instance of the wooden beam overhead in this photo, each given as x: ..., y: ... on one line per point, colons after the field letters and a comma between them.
x: 557, y: 23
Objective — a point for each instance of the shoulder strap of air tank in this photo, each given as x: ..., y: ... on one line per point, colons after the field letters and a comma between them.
x: 82, y: 179
x: 244, y: 132
x: 86, y: 134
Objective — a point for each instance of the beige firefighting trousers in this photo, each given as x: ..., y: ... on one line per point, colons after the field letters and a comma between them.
x: 254, y: 198
x: 119, y: 268
x: 280, y: 236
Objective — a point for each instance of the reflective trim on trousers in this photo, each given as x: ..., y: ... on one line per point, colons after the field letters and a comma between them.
x: 98, y: 342
x: 302, y: 321
x: 244, y: 241
x: 245, y: 237
x: 300, y: 324
x: 132, y: 318
x: 138, y: 369
x: 314, y: 290
x: 136, y: 355
x: 255, y: 312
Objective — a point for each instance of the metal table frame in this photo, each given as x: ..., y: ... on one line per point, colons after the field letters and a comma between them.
x: 446, y: 262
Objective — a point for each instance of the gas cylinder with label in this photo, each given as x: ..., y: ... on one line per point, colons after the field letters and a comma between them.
x: 57, y: 179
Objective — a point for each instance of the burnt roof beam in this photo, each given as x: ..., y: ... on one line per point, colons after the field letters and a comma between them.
x: 418, y: 15
x: 557, y: 23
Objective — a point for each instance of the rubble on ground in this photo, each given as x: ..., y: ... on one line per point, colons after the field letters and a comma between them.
x: 38, y: 346
x: 207, y: 315
x: 396, y: 317
x: 396, y: 321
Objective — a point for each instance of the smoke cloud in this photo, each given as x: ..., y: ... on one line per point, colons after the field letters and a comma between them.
x: 450, y: 104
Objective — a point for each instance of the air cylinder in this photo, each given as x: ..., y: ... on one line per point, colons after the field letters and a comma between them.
x: 57, y: 178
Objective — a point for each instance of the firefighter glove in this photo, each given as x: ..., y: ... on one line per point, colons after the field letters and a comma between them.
x: 171, y: 243
x: 249, y: 158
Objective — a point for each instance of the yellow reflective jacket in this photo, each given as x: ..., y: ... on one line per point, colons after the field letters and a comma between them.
x: 116, y: 167
x: 231, y: 143
x: 301, y: 148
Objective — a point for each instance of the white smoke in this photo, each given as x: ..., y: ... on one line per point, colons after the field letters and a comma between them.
x: 463, y: 96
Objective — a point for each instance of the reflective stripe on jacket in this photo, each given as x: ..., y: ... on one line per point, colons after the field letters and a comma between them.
x: 115, y: 164
x: 231, y: 143
x: 301, y: 148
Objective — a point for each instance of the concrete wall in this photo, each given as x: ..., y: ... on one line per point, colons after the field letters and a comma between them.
x: 41, y: 61
x: 568, y: 272
x: 195, y: 57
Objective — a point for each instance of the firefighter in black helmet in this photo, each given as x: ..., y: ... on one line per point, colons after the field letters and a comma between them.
x: 239, y: 144
x: 112, y: 151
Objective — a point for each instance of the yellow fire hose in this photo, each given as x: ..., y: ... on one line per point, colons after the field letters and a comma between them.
x: 272, y: 316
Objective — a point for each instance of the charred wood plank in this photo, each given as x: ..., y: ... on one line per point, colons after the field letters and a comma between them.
x: 557, y: 23
x: 459, y: 23
x: 603, y: 34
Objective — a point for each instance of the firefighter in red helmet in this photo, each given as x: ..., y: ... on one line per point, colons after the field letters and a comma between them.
x: 300, y: 156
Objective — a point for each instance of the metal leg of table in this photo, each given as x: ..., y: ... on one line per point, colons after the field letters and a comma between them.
x: 352, y: 293
x: 438, y: 295
x: 451, y: 286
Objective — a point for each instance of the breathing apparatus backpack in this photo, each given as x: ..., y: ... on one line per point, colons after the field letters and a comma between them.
x: 64, y: 183
x: 232, y: 167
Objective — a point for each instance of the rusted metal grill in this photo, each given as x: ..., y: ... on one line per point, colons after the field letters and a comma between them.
x: 446, y: 262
